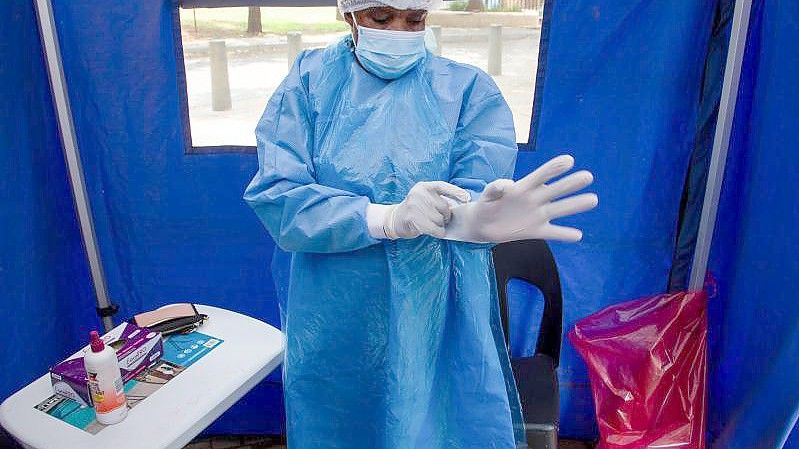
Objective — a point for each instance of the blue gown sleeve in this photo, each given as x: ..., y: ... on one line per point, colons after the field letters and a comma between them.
x: 300, y: 214
x: 484, y: 147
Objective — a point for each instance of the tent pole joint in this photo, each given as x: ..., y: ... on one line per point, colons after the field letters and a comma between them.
x: 107, y: 311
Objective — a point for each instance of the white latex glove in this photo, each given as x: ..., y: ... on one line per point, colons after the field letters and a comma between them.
x: 520, y: 210
x: 424, y: 211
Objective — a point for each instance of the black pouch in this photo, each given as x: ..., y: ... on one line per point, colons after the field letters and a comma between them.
x: 171, y: 319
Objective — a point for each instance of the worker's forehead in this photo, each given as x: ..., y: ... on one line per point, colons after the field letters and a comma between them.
x: 390, y: 10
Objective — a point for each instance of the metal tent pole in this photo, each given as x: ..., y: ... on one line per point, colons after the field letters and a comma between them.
x: 721, y: 142
x: 47, y: 28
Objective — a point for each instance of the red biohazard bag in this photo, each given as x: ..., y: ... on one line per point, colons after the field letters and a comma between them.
x: 647, y: 364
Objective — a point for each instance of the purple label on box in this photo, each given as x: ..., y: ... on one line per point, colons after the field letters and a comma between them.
x: 137, y: 349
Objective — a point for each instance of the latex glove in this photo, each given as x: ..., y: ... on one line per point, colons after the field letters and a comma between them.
x: 520, y: 210
x: 424, y: 211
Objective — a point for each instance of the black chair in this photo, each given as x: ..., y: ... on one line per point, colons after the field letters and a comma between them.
x: 536, y: 376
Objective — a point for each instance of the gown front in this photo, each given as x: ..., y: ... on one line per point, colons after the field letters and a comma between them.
x: 390, y: 344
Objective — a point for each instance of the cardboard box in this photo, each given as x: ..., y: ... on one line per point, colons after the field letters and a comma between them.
x: 138, y: 348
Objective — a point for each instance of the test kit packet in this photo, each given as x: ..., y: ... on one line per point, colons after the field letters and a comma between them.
x: 137, y: 348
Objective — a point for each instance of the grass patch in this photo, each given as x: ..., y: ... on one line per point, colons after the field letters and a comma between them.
x: 284, y: 27
x: 211, y: 23
x: 463, y: 5
x: 458, y: 5
x: 515, y: 8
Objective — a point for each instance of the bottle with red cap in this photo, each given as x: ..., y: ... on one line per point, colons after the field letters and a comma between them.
x: 105, y: 381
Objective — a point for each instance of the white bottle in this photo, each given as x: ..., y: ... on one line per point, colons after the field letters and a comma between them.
x: 105, y: 382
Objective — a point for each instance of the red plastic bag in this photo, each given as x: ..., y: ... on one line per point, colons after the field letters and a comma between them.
x: 647, y: 364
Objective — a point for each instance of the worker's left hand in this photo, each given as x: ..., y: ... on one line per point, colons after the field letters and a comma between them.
x: 508, y: 210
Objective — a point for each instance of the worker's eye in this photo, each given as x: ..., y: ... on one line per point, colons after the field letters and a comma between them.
x: 381, y: 19
x: 417, y: 18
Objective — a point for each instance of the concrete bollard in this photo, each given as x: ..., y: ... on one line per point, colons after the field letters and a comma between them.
x: 294, y: 45
x: 220, y: 84
x: 437, y: 33
x: 495, y: 50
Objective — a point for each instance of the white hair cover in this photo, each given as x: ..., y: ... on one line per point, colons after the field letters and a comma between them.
x: 357, y: 5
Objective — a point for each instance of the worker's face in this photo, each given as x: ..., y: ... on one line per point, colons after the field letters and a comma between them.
x: 386, y: 18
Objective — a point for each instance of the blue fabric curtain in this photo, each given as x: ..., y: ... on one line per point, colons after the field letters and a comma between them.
x: 47, y: 305
x: 621, y: 89
x: 754, y: 387
x: 171, y: 226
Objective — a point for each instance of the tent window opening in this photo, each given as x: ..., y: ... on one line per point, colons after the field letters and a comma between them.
x: 234, y: 56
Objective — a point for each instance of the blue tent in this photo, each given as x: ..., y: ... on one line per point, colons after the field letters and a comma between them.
x: 630, y: 88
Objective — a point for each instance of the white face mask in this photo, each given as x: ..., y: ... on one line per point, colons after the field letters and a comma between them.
x: 389, y: 54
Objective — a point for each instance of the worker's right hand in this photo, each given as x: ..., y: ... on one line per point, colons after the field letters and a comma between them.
x: 424, y: 211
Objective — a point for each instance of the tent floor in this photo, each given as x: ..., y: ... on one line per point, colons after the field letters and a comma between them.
x: 237, y: 442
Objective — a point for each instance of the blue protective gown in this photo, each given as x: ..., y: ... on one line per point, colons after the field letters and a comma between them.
x: 390, y: 344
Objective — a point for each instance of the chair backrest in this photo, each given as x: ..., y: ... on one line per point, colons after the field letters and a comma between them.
x: 532, y: 261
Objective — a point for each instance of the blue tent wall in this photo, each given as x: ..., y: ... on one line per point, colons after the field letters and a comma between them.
x: 171, y: 226
x: 754, y: 396
x: 47, y: 303
x: 620, y: 92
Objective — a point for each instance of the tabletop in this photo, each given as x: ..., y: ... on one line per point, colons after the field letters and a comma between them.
x: 173, y: 415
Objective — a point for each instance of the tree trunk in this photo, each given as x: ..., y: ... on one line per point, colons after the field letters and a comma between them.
x: 254, y: 20
x: 475, y: 6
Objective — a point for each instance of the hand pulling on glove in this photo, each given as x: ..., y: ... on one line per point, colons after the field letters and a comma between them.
x: 424, y: 211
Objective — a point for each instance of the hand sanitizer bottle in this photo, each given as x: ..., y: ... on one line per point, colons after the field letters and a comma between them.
x: 105, y: 382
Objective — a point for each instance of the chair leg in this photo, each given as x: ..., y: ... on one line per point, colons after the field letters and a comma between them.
x: 545, y: 437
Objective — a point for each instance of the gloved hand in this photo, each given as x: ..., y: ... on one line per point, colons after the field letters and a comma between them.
x: 520, y: 210
x: 424, y: 211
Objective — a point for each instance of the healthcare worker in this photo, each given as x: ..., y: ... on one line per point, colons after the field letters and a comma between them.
x: 374, y: 157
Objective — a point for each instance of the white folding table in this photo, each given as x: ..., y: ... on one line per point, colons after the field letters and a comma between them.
x: 174, y: 414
